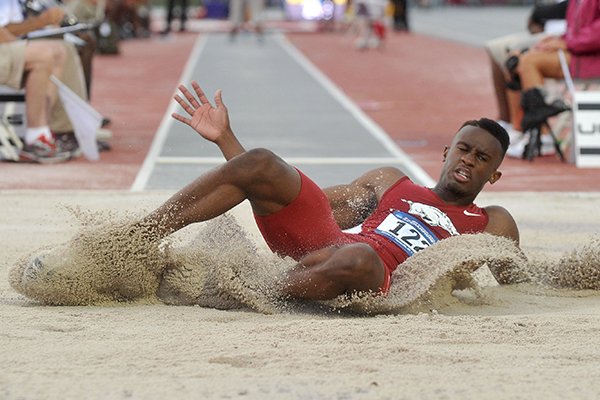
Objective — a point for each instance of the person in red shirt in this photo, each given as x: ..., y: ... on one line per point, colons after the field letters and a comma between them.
x: 298, y: 219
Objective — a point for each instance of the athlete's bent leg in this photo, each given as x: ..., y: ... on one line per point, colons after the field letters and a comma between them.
x: 268, y: 182
x: 330, y: 272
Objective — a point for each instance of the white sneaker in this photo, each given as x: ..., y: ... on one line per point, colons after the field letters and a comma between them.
x: 514, y: 135
x: 103, y: 134
x: 505, y: 124
x: 516, y: 148
x: 547, y: 148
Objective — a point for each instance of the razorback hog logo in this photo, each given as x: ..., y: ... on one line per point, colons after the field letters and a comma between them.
x: 431, y: 215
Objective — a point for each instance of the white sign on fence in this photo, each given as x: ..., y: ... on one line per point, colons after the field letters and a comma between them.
x: 586, y: 128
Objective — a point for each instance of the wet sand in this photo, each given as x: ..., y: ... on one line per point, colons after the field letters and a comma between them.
x: 509, y: 342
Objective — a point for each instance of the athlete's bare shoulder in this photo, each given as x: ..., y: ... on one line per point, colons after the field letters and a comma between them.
x: 380, y: 179
x: 501, y: 223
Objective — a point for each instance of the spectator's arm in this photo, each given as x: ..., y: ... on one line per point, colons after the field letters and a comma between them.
x: 52, y: 16
x: 585, y: 40
x: 5, y: 35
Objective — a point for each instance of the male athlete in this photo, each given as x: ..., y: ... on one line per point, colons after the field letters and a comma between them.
x: 300, y: 220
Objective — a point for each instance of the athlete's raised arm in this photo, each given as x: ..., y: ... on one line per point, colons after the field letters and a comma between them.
x: 212, y: 123
x: 353, y: 202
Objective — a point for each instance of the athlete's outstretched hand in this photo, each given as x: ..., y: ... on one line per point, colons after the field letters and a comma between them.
x: 210, y: 122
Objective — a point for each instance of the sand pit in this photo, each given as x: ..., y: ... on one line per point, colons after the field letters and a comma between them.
x: 489, y: 342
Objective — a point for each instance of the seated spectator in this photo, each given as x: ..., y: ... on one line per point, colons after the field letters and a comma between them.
x: 31, y: 64
x: 11, y: 16
x: 501, y: 49
x: 581, y: 45
x: 30, y: 19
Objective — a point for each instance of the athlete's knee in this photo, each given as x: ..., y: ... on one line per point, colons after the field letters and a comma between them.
x: 358, y: 266
x: 259, y: 164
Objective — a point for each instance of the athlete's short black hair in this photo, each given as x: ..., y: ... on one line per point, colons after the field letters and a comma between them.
x: 494, y: 128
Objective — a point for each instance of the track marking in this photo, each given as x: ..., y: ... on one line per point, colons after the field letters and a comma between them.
x: 411, y: 168
x: 141, y: 180
x: 399, y: 156
x: 291, y: 160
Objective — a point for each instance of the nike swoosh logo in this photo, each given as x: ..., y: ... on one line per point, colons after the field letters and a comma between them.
x: 470, y: 214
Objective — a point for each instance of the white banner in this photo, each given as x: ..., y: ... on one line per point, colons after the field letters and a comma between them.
x: 586, y: 128
x: 85, y: 120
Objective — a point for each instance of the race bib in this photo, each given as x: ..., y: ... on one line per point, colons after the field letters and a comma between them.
x: 406, y: 231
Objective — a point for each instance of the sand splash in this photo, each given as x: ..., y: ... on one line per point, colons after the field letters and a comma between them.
x: 109, y: 259
x: 217, y: 265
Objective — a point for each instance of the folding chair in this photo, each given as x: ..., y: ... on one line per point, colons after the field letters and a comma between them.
x: 11, y: 119
x: 535, y: 141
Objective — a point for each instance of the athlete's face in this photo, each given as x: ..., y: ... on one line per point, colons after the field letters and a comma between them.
x: 471, y: 160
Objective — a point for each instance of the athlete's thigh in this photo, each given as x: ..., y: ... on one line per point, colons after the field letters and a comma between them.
x: 306, y: 224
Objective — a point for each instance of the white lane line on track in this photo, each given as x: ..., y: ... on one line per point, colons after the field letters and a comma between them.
x: 141, y: 180
x: 410, y: 167
x: 291, y: 160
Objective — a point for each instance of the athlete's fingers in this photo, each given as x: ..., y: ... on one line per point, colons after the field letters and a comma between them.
x: 219, y: 99
x: 181, y: 118
x: 199, y: 93
x: 189, y: 96
x: 184, y: 105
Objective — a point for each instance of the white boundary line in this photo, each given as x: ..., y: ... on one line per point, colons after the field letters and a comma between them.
x: 400, y: 157
x: 159, y: 139
x: 412, y: 169
x: 291, y: 160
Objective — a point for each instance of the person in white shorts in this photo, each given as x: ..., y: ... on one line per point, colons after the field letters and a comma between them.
x: 29, y: 65
x: 239, y: 9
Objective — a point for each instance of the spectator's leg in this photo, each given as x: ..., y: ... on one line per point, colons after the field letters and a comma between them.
x: 236, y: 8
x: 86, y: 55
x: 498, y: 51
x: 534, y: 66
x: 170, y: 7
x: 400, y: 15
x: 514, y: 108
x: 42, y: 59
x: 183, y: 17
x: 499, y: 80
x: 256, y: 10
x: 364, y: 31
x: 73, y: 78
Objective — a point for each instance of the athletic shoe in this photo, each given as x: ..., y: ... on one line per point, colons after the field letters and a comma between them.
x: 517, y: 140
x: 548, y: 148
x: 516, y: 148
x: 103, y: 134
x: 43, y: 151
x: 68, y: 143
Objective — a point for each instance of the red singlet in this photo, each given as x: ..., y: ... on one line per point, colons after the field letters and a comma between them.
x: 407, y: 219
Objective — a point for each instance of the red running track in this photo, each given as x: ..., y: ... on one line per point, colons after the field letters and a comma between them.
x: 418, y: 89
